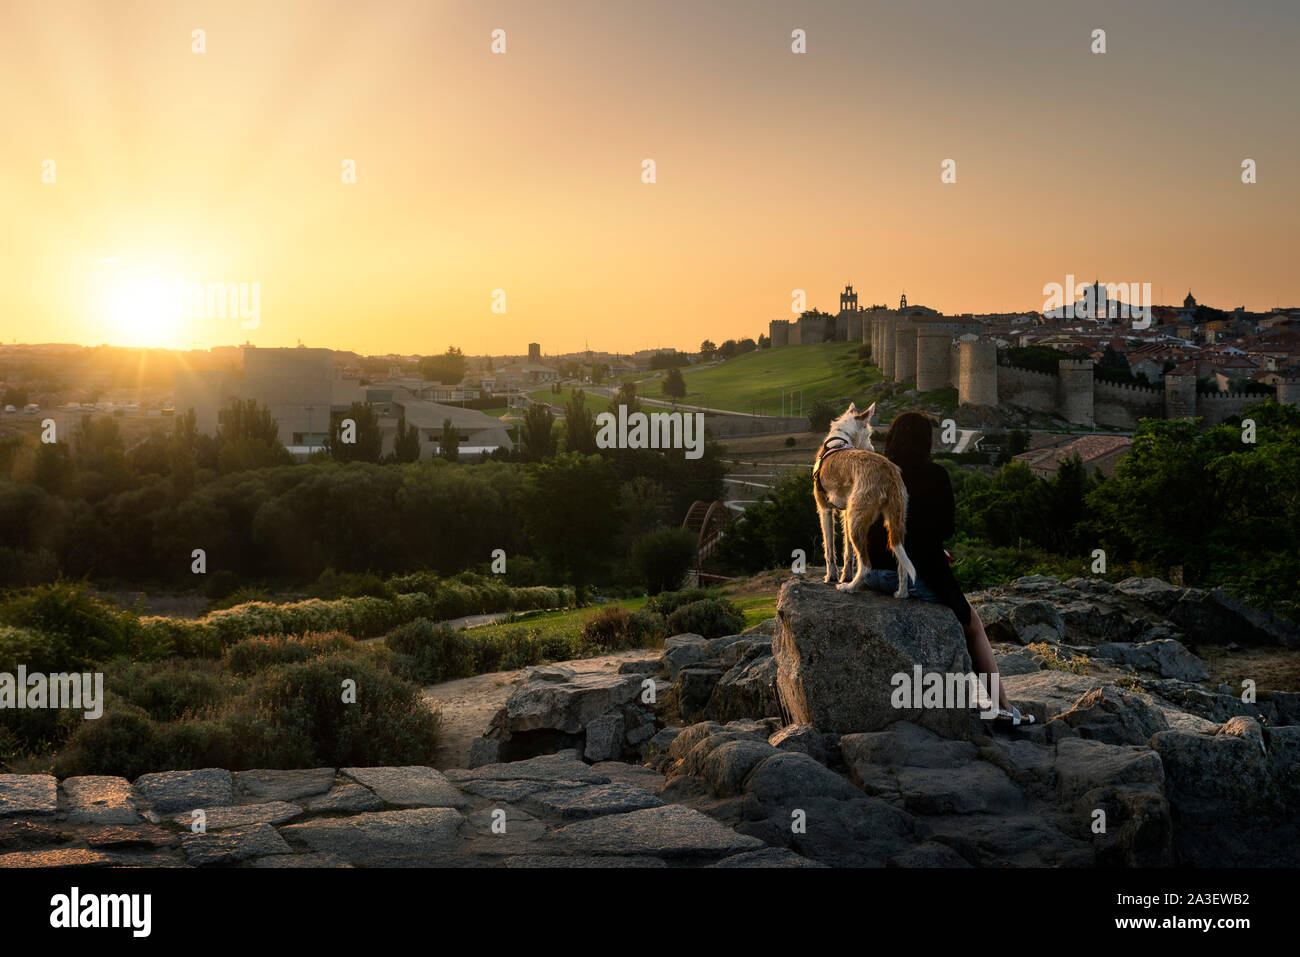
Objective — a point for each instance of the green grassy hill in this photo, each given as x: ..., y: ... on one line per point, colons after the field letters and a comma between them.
x: 755, y: 381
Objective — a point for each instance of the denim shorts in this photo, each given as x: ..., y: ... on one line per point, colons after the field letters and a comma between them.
x: 883, y: 579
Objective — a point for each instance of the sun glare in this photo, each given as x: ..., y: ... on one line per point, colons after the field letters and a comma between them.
x: 142, y: 309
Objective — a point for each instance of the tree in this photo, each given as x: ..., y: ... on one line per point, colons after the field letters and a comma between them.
x: 248, y: 438
x: 368, y: 437
x: 820, y: 416
x: 449, y: 447
x: 406, y: 442
x: 674, y: 385
x: 247, y: 419
x: 597, y: 373
x: 571, y: 515
x: 707, y: 349
x: 537, y: 433
x: 579, y: 425
x: 627, y: 396
x: 663, y: 558
x: 447, y: 369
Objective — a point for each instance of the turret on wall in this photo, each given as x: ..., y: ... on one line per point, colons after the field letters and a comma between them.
x: 1180, y: 396
x: 887, y: 348
x: 1075, y: 377
x: 905, y: 353
x: 932, y: 355
x: 977, y: 375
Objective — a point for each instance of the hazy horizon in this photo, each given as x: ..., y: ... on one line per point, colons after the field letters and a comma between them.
x: 523, y: 171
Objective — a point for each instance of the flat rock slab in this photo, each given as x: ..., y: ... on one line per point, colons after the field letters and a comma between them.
x: 409, y: 787
x: 19, y: 835
x: 242, y: 815
x: 99, y: 799
x: 121, y: 837
x: 546, y: 767
x: 34, y: 794
x: 558, y: 860
x: 593, y: 801
x: 233, y: 845
x: 668, y: 831
x: 299, y: 860
x: 767, y: 857
x: 60, y: 857
x: 261, y: 786
x: 346, y: 797
x: 185, y: 790
x: 383, y: 836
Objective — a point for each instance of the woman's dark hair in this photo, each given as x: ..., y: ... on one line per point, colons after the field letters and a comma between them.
x: 909, y: 436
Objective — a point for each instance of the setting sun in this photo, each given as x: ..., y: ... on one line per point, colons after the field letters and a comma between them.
x: 143, y: 310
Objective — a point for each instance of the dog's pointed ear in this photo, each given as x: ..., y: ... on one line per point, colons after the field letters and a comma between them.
x: 870, y: 414
x: 853, y: 407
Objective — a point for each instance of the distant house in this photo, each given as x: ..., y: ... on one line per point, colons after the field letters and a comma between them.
x: 476, y: 432
x: 525, y: 375
x: 1098, y: 453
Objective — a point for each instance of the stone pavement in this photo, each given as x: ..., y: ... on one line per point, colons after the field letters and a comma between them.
x: 554, y: 810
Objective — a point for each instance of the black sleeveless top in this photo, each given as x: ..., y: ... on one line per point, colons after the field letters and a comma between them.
x: 931, y: 518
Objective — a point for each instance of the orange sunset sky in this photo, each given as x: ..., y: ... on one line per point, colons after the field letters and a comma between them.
x: 522, y: 171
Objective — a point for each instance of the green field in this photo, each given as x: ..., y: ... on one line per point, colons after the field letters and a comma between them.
x: 755, y: 381
x: 595, y: 403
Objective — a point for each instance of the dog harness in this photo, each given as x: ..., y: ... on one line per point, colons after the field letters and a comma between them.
x: 826, y: 450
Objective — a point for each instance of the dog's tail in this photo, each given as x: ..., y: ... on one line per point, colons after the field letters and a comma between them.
x: 896, y: 524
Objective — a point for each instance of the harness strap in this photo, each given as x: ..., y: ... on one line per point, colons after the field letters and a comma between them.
x: 827, y: 450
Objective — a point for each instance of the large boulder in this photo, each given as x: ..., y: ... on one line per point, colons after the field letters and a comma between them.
x: 1235, y: 795
x: 840, y: 657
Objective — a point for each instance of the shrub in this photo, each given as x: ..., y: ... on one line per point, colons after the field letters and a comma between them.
x: 167, y: 690
x: 663, y: 557
x: 221, y: 584
x: 332, y: 584
x: 123, y: 742
x: 242, y: 595
x: 616, y: 628
x: 80, y: 627
x: 709, y: 617
x: 665, y: 603
x: 388, y: 725
x: 258, y: 654
x: 820, y: 416
x: 428, y: 652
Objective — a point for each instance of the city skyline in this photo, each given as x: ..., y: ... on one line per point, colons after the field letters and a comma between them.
x: 522, y: 171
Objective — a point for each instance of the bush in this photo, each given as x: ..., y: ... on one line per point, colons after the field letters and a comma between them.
x: 123, y: 742
x: 388, y: 725
x: 252, y: 655
x: 820, y: 416
x: 332, y: 584
x: 665, y: 603
x: 663, y: 557
x: 709, y: 617
x: 616, y: 628
x: 221, y: 584
x: 428, y: 652
x: 79, y: 628
x: 168, y: 690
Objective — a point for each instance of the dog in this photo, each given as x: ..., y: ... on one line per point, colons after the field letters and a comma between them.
x: 865, y: 485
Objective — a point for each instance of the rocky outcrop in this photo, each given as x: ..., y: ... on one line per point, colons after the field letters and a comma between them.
x: 841, y: 658
x: 1092, y: 611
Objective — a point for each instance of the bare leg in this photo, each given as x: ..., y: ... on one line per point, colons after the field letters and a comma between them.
x: 981, y: 654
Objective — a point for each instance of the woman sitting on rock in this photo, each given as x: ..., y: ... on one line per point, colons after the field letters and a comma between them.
x: 931, y: 518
